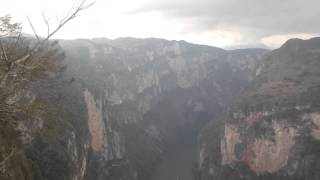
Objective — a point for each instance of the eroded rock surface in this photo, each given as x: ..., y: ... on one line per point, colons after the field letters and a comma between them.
x: 95, y: 122
x: 120, y: 104
x: 272, y: 129
x: 142, y: 96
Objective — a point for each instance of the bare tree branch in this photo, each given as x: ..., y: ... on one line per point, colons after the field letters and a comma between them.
x: 70, y: 15
x: 46, y: 21
x: 33, y: 29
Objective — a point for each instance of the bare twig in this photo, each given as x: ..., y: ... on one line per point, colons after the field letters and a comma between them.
x: 70, y: 15
x: 46, y: 21
x: 33, y: 29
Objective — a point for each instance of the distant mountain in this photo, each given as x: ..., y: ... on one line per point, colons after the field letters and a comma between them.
x: 248, y: 46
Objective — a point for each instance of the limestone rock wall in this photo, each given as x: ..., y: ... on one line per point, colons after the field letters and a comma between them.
x: 271, y: 130
x: 95, y: 123
x: 120, y: 103
x: 141, y: 95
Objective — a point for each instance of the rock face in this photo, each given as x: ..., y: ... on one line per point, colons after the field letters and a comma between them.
x: 272, y: 129
x: 95, y: 123
x: 121, y: 103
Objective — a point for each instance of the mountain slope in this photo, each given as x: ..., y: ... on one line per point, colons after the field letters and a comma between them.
x: 122, y: 104
x: 272, y: 129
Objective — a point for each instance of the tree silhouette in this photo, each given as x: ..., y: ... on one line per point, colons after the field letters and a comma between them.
x: 23, y: 60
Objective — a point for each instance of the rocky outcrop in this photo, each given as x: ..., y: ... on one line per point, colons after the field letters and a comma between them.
x: 95, y: 123
x: 232, y: 138
x: 265, y: 155
x: 315, y: 117
x: 271, y: 131
x: 120, y: 104
x: 142, y: 95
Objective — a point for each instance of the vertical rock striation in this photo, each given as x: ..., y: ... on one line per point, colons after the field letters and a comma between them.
x: 272, y: 129
x: 95, y: 122
x: 121, y: 103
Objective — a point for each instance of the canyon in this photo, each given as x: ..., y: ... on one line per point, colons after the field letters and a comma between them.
x: 141, y: 109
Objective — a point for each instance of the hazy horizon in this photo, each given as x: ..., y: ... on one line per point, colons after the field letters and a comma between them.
x: 159, y: 90
x: 225, y: 24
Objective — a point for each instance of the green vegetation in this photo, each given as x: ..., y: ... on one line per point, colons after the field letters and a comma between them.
x: 24, y: 61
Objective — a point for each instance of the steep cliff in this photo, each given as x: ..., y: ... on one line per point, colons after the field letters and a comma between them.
x: 272, y: 129
x: 151, y: 92
x: 120, y: 104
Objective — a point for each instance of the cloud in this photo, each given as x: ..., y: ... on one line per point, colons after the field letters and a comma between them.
x: 254, y: 19
x: 224, y: 23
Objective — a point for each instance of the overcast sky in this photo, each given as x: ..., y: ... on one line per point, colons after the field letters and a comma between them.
x: 222, y: 23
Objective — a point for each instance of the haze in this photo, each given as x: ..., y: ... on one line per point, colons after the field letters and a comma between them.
x: 222, y: 23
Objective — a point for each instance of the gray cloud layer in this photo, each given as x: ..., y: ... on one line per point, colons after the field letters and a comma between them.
x: 258, y: 18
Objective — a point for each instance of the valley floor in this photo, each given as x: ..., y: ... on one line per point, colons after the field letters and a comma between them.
x: 178, y: 162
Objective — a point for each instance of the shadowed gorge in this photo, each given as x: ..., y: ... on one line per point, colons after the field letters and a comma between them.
x: 183, y: 90
x: 152, y: 109
x: 179, y: 161
x: 132, y: 108
x: 154, y: 96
